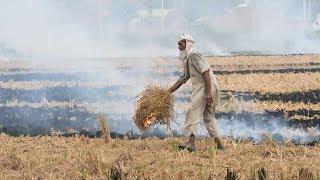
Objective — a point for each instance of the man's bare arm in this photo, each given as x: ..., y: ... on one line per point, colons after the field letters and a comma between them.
x: 176, y: 86
x: 207, y: 82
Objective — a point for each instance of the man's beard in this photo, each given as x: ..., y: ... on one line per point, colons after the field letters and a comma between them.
x: 182, y: 58
x: 183, y: 55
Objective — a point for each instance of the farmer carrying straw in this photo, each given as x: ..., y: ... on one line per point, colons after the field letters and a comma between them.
x: 205, y: 92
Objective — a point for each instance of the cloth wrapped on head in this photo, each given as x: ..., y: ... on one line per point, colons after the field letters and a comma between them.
x: 190, y: 46
x: 186, y: 37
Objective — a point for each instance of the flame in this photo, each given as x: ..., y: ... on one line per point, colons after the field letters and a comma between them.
x: 149, y: 120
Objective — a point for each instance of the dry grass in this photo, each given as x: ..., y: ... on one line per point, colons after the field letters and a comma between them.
x: 260, y: 106
x: 256, y: 106
x: 83, y: 158
x: 265, y: 83
x: 270, y: 83
x: 263, y: 60
x: 154, y: 105
x: 34, y: 84
x: 232, y: 63
x: 104, y: 128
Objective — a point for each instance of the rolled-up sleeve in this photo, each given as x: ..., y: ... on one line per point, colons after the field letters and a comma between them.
x: 200, y: 63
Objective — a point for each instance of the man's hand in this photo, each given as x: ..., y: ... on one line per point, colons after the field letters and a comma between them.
x: 209, y: 98
x: 207, y: 83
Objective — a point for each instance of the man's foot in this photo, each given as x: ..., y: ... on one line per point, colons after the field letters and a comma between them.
x: 219, y: 144
x: 191, y: 148
x: 221, y: 147
x: 190, y: 145
x: 183, y: 145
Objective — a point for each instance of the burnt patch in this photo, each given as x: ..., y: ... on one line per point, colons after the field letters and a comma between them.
x: 311, y: 96
x: 62, y: 94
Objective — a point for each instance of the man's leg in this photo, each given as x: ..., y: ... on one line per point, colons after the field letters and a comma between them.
x: 192, y: 120
x: 191, y: 126
x: 210, y: 123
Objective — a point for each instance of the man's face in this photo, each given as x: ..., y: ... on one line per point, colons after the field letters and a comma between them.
x: 182, y: 45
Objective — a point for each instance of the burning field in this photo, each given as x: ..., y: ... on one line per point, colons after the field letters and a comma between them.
x: 269, y: 118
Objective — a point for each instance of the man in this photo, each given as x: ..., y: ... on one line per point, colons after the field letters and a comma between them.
x: 205, y: 92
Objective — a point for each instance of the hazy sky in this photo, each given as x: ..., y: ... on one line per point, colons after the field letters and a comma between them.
x: 96, y: 28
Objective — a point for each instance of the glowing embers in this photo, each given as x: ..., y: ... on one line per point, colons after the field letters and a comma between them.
x: 154, y: 105
x: 149, y: 120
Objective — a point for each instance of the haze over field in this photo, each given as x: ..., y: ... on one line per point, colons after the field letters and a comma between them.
x: 105, y: 28
x: 82, y: 29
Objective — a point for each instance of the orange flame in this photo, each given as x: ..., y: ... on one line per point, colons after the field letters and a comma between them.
x: 149, y: 120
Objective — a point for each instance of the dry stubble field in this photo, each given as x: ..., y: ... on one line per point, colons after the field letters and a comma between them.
x: 272, y: 86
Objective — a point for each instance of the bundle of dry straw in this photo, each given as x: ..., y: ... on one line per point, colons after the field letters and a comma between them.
x: 154, y: 105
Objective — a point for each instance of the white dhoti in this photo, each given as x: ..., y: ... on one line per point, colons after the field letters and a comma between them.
x: 194, y: 70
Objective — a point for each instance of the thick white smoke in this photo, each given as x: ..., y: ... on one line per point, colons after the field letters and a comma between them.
x: 60, y: 29
x: 43, y: 28
x: 105, y: 28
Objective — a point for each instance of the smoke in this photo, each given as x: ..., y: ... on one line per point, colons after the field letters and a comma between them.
x: 43, y: 28
x: 77, y: 29
x: 97, y: 28
x: 270, y: 128
x: 66, y: 31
